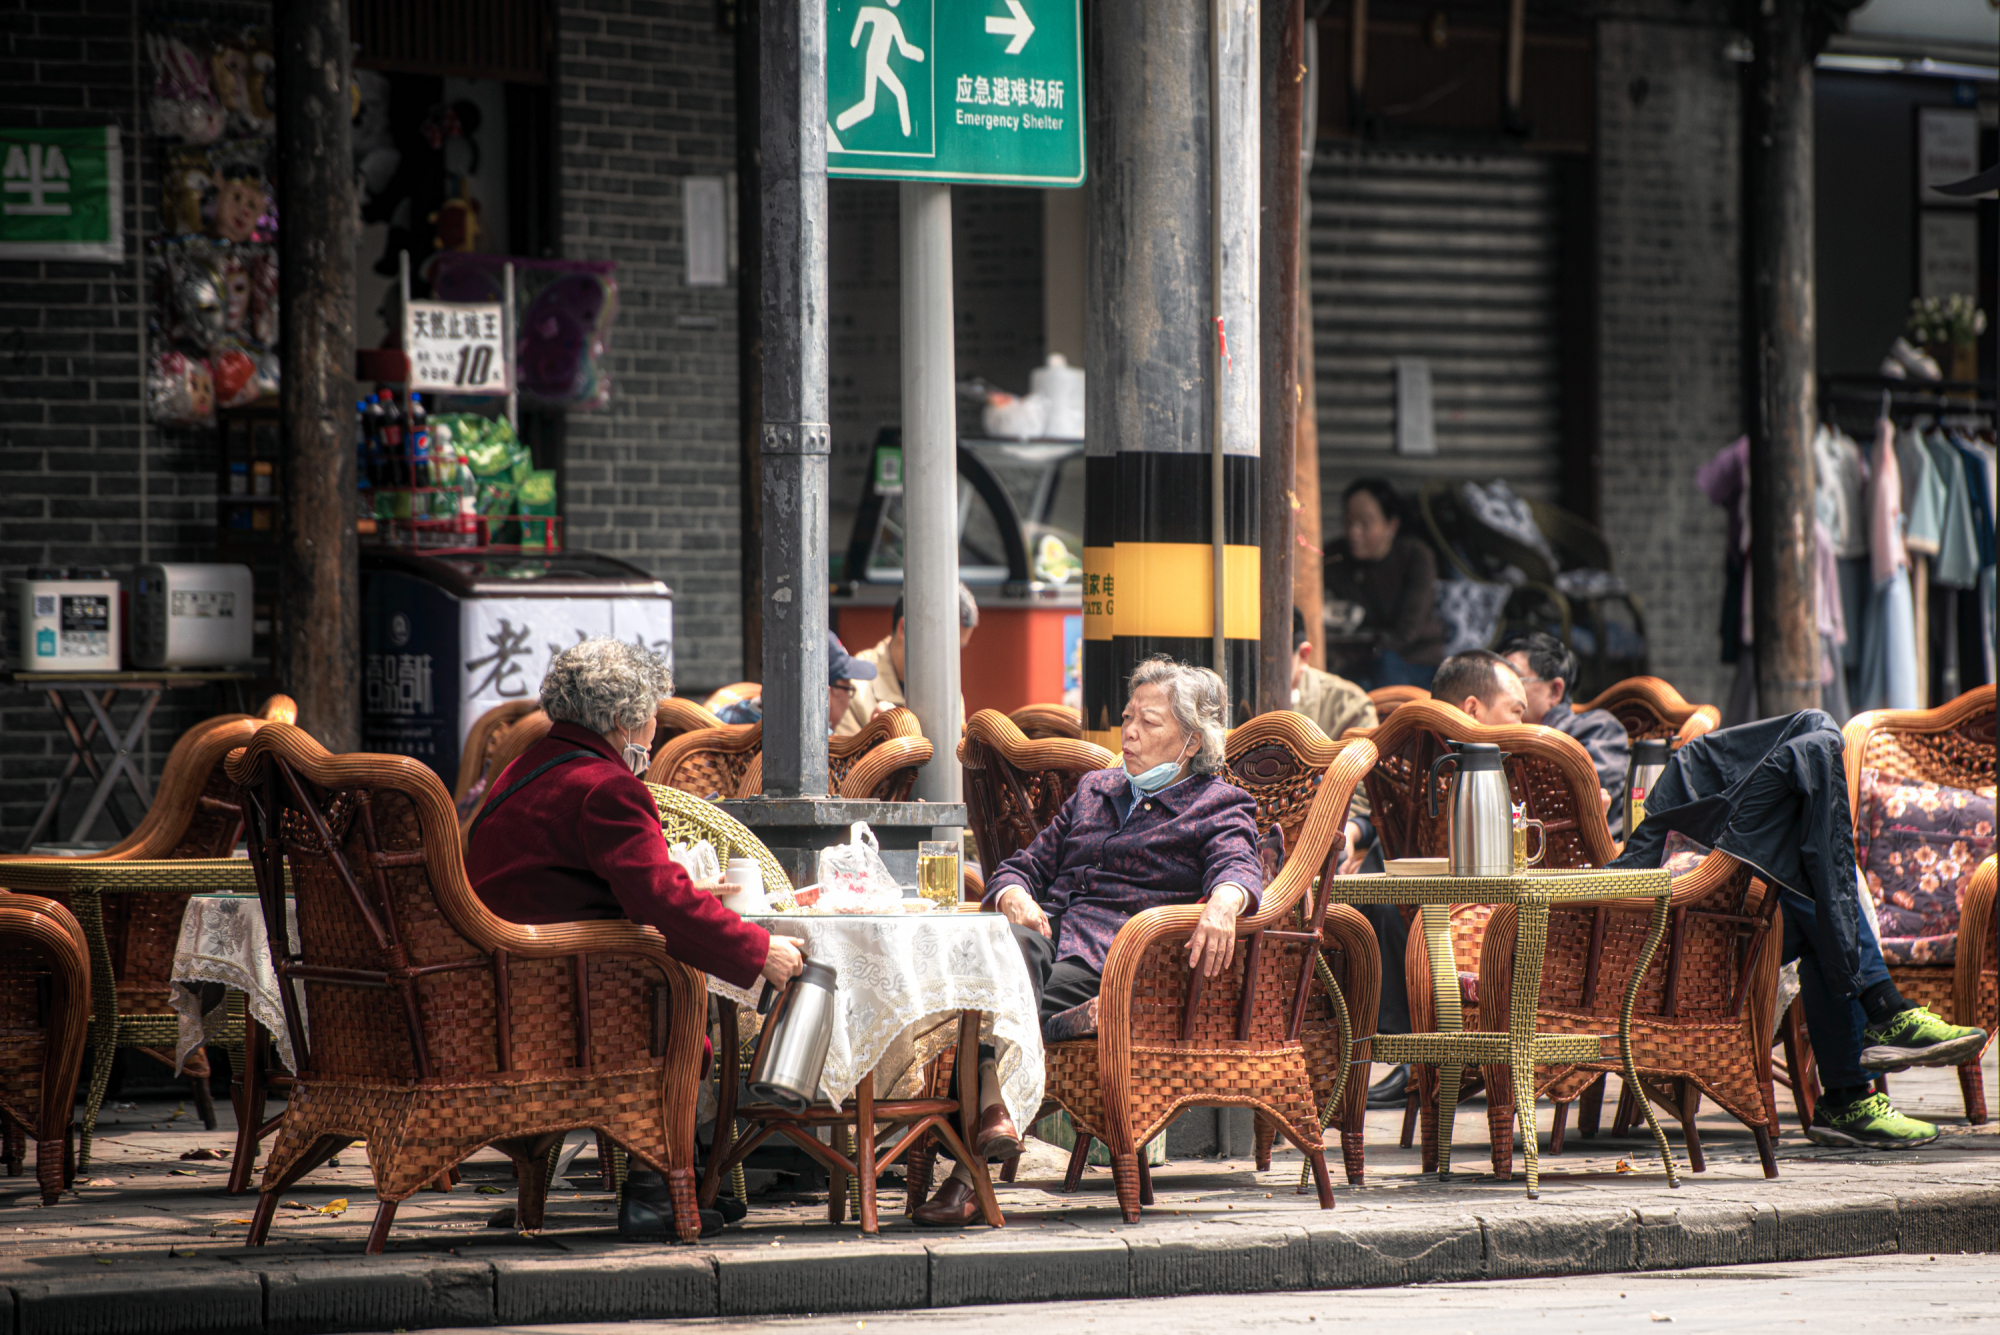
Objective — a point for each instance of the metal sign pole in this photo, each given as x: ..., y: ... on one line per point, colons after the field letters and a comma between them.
x: 930, y: 483
x: 507, y: 354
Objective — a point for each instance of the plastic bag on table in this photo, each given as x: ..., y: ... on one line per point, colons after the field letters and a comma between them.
x: 854, y: 879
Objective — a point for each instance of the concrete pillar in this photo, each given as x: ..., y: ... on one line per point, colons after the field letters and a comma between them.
x: 1159, y: 276
x: 794, y: 443
x: 930, y: 483
x: 319, y: 640
x: 1778, y: 220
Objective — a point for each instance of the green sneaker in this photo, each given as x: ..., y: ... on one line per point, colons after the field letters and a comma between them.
x: 1869, y: 1124
x: 1916, y: 1037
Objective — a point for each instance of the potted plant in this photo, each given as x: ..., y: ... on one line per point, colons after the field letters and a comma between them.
x: 1949, y: 330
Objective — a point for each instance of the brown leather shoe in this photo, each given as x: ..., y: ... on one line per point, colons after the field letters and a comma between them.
x: 955, y: 1206
x: 997, y: 1137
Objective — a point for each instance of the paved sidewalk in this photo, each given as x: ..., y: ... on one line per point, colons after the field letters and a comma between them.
x: 150, y: 1243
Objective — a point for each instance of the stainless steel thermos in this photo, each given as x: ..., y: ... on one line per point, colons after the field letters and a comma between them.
x: 796, y: 1036
x: 1482, y: 824
x: 1649, y: 760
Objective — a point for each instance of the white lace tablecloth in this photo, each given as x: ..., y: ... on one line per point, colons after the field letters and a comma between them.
x: 223, y: 941
x: 902, y: 983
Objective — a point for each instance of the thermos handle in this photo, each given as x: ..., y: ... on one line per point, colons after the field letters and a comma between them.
x: 770, y: 995
x: 1432, y: 787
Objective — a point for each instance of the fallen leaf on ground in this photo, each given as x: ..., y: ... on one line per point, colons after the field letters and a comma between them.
x: 202, y: 1153
x: 102, y: 1260
x: 182, y: 1172
x: 239, y: 1221
x: 1623, y: 1167
x: 178, y: 1110
x: 335, y: 1207
x: 490, y: 1190
x: 102, y: 1182
x: 1658, y: 1316
x: 293, y: 1205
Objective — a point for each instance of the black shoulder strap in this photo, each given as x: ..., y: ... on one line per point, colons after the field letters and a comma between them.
x: 522, y: 782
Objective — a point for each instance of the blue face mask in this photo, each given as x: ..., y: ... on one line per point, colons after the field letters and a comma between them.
x: 1156, y: 778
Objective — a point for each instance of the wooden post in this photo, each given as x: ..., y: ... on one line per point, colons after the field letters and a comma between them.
x: 1778, y: 222
x: 1308, y: 540
x: 1283, y: 55
x: 319, y: 607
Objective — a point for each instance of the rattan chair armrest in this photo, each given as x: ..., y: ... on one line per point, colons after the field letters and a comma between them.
x: 1975, y: 943
x: 881, y: 764
x: 74, y: 875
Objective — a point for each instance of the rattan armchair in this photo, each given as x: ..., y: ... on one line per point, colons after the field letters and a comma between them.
x: 195, y: 814
x: 1703, y: 1020
x: 1169, y: 1040
x: 44, y: 1013
x: 1041, y: 721
x: 1388, y: 699
x: 676, y: 718
x: 437, y: 1028
x: 1650, y: 708
x: 1951, y: 745
x: 709, y: 762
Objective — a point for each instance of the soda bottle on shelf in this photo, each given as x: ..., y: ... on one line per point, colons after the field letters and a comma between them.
x: 364, y: 464
x: 395, y: 442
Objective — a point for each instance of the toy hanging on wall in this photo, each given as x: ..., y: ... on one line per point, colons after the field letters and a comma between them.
x: 179, y: 390
x: 184, y: 102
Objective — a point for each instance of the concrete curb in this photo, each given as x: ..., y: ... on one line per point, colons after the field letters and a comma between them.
x: 250, y: 1294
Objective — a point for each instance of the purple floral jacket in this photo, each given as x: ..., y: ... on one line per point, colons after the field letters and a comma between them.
x: 1105, y: 858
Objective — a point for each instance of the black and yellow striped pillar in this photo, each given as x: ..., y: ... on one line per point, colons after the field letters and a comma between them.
x: 1148, y: 575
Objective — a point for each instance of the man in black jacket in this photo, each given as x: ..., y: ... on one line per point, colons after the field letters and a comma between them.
x: 1773, y: 794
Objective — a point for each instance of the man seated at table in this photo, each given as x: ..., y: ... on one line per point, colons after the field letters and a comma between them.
x: 1547, y: 669
x: 571, y: 833
x: 846, y: 675
x: 884, y: 688
x: 1163, y: 829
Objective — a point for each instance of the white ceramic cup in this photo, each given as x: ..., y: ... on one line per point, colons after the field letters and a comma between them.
x: 746, y: 881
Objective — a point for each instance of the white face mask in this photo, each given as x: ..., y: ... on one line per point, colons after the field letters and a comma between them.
x: 636, y: 759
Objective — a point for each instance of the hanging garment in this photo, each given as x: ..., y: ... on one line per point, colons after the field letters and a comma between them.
x: 1978, y: 495
x: 1773, y: 794
x: 1957, y: 565
x: 1889, y: 631
x: 1923, y: 495
x: 1854, y: 487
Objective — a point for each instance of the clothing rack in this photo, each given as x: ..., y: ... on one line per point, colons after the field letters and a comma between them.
x: 1953, y: 402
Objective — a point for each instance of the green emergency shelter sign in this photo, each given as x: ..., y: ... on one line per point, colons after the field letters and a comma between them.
x: 955, y: 90
x: 60, y: 195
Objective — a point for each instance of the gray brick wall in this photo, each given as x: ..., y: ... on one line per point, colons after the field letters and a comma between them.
x: 646, y: 98
x: 70, y: 434
x: 1669, y: 350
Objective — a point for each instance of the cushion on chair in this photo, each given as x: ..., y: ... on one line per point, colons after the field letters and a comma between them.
x: 1468, y: 987
x: 1917, y: 845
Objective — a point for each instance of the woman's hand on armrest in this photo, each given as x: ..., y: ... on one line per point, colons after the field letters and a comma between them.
x: 1020, y: 908
x: 785, y: 960
x: 1214, y: 939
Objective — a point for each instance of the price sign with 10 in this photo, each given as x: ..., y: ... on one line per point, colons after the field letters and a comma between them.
x: 457, y: 348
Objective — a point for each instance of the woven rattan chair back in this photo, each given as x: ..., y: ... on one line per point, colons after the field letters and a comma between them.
x: 676, y: 718
x: 507, y: 746
x: 710, y: 763
x: 475, y: 762
x: 878, y: 763
x: 1388, y: 699
x: 685, y: 818
x: 1650, y: 708
x: 716, y: 701
x: 44, y: 1013
x: 1041, y: 722
x: 431, y: 1027
x: 1014, y: 786
x: 1952, y: 746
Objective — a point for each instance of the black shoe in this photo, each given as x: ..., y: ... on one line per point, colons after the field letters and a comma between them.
x: 1392, y: 1090
x: 731, y: 1209
x: 646, y: 1210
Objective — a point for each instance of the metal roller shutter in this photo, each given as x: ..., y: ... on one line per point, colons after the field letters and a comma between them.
x: 1452, y: 258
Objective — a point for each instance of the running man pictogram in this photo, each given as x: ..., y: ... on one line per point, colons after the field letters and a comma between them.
x: 888, y: 30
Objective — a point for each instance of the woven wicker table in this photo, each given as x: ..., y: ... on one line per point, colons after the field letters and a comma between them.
x: 84, y: 881
x: 1452, y: 1048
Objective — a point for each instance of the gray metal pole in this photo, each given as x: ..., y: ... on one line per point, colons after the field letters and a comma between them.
x: 794, y: 442
x: 930, y: 484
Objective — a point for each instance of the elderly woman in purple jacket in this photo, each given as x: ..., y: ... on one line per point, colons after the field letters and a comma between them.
x: 1163, y: 829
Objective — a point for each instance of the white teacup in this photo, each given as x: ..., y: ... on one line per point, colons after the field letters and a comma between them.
x: 744, y: 882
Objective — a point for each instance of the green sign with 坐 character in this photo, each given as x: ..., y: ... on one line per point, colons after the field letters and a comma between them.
x: 986, y: 91
x: 60, y: 196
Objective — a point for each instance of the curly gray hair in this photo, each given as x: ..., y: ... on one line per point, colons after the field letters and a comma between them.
x: 1194, y: 696
x: 605, y: 684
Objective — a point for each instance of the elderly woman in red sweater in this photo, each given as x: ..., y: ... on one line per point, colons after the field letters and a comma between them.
x: 571, y: 833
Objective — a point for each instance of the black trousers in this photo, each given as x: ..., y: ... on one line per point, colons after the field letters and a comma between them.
x: 1059, y: 984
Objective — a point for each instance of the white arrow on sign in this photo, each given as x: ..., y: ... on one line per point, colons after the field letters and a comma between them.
x: 1019, y: 26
